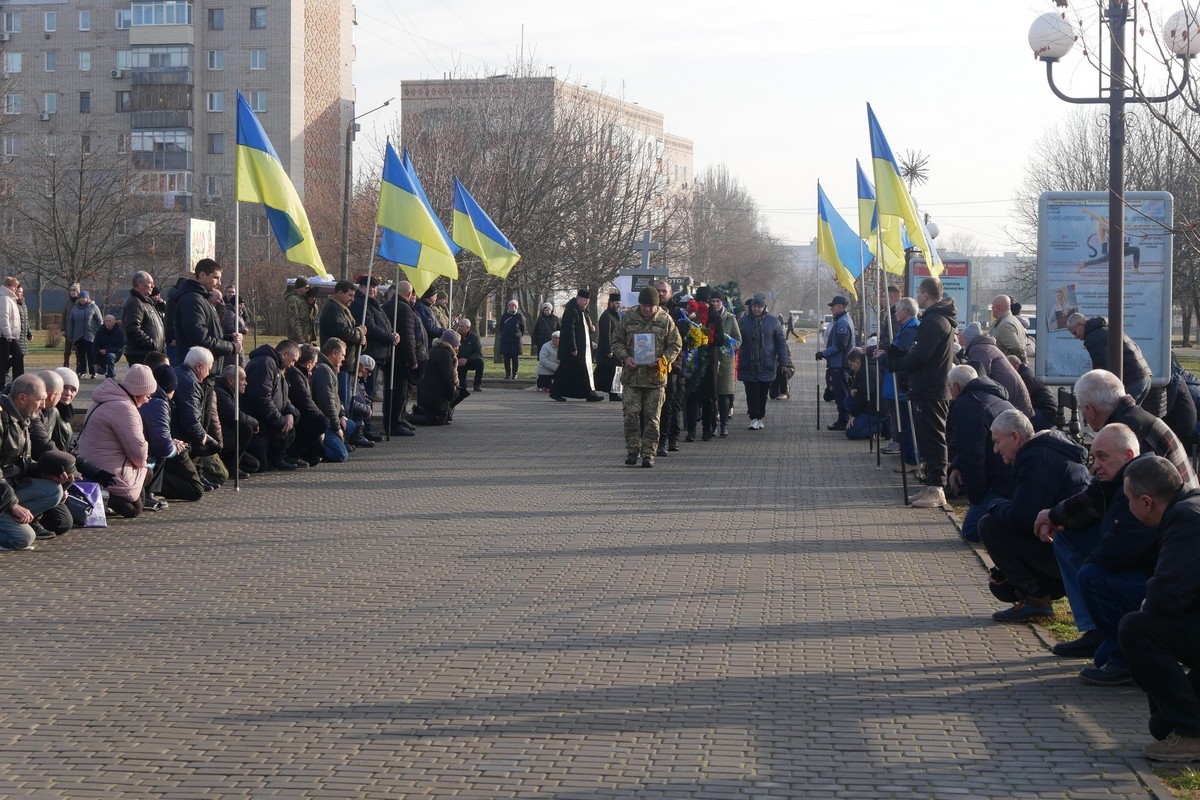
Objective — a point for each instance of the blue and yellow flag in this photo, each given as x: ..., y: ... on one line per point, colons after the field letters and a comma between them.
x: 475, y: 231
x: 892, y: 197
x: 838, y: 245
x: 412, y: 236
x: 262, y: 179
x: 892, y: 232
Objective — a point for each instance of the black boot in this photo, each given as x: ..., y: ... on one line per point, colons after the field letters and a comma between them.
x: 691, y: 435
x: 662, y: 446
x: 673, y: 444
x: 724, y: 428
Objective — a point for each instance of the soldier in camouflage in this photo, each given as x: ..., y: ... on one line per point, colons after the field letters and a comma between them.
x: 645, y: 384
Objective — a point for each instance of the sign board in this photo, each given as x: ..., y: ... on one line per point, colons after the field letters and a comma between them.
x: 1072, y: 276
x: 956, y: 282
x: 201, y: 242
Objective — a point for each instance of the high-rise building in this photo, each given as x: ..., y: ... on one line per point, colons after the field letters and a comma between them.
x: 158, y: 80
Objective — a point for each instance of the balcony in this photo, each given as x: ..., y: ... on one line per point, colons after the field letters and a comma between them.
x: 160, y: 119
x: 171, y: 76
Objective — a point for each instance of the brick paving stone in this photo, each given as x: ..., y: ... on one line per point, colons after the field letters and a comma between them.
x: 501, y: 608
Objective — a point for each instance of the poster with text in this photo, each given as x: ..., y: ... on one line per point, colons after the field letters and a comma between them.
x: 201, y: 242
x: 1072, y: 277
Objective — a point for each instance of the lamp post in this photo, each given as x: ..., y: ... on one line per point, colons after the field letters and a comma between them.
x: 351, y: 128
x: 1051, y: 38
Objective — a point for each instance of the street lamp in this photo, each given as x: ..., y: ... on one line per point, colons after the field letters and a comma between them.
x: 1051, y: 38
x: 351, y: 128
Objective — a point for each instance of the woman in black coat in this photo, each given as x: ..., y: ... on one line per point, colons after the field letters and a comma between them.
x: 512, y: 330
x: 547, y: 323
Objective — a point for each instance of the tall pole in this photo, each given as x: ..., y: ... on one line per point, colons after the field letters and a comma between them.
x: 350, y: 129
x: 1118, y: 12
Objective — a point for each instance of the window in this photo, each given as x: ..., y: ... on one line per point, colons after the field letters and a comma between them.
x: 216, y: 143
x: 212, y: 186
x: 216, y: 101
x: 51, y: 62
x: 124, y: 101
x: 12, y: 23
x: 124, y: 19
x: 122, y: 143
x: 50, y: 103
x: 85, y: 144
x: 12, y: 145
x: 258, y: 101
x: 159, y: 57
x: 258, y: 18
x: 51, y: 143
x: 13, y: 103
x: 258, y: 59
x: 12, y: 63
x: 216, y: 59
x: 85, y: 102
x: 85, y: 20
x: 124, y: 59
x: 216, y: 19
x: 162, y: 12
x: 51, y: 21
x: 161, y: 149
x: 85, y: 60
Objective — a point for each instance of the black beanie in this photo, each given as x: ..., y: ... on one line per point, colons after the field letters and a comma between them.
x: 164, y: 375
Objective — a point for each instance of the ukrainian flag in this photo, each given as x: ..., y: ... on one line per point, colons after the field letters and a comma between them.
x: 475, y: 231
x: 894, y: 238
x: 892, y: 195
x: 412, y: 235
x: 838, y: 245
x: 261, y: 179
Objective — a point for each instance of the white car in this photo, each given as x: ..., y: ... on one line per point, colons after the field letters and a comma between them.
x: 825, y: 323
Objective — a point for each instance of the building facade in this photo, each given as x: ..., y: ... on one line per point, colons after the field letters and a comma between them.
x: 157, y: 80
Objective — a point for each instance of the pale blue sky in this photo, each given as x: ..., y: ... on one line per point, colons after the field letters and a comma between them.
x: 776, y: 90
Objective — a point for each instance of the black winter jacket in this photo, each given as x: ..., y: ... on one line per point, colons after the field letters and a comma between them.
x: 266, y: 390
x: 379, y: 327
x: 1049, y: 469
x: 196, y: 323
x: 1095, y: 339
x: 927, y: 363
x: 143, y: 326
x: 1175, y: 586
x: 969, y: 437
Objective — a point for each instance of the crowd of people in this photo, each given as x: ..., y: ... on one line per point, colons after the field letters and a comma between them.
x: 1114, y: 528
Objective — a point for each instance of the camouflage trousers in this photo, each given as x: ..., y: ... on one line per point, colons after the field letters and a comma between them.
x: 642, y: 408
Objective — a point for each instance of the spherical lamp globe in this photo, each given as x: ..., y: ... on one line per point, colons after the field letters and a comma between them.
x: 1181, y: 33
x: 1051, y: 37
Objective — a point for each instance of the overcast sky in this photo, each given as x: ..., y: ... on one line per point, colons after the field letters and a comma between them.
x: 774, y: 89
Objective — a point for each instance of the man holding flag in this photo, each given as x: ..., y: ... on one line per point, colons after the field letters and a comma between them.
x: 839, y: 340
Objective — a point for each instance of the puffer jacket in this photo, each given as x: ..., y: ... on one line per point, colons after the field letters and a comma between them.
x: 927, y: 362
x: 143, y: 326
x: 969, y: 437
x: 84, y: 322
x: 1049, y: 468
x: 112, y: 439
x: 667, y: 344
x: 266, y: 391
x: 196, y: 322
x: 763, y: 349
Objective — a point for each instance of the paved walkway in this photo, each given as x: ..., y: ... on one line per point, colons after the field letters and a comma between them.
x: 501, y: 608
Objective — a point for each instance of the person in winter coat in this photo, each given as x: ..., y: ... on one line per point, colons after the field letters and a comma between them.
x: 762, y: 355
x: 547, y: 363
x: 82, y: 325
x: 1007, y: 330
x: 337, y: 321
x: 512, y: 328
x: 194, y: 321
x: 470, y: 354
x: 892, y: 393
x: 439, y: 392
x: 716, y: 393
x: 408, y: 361
x: 310, y: 426
x: 1047, y: 469
x: 980, y: 351
x: 1095, y: 527
x: 606, y: 364
x: 239, y: 427
x: 547, y: 323
x: 141, y: 321
x: 267, y: 401
x: 1135, y: 372
x: 575, y: 344
x: 1045, y: 406
x: 644, y: 372
x: 839, y: 339
x: 68, y: 345
x: 925, y: 366
x: 10, y: 326
x: 864, y: 421
x: 156, y: 417
x: 381, y: 339
x: 108, y: 346
x: 300, y: 316
x: 1159, y: 638
x: 976, y: 469
x: 339, y: 429
x: 112, y: 437
x: 192, y: 422
x: 1180, y: 414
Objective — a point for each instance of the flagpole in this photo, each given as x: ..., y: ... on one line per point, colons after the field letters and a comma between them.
x: 237, y: 381
x: 862, y: 307
x: 366, y: 303
x: 891, y: 369
x: 391, y: 393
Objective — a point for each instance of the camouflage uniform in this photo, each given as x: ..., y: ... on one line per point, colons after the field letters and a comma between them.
x: 301, y: 319
x: 645, y: 386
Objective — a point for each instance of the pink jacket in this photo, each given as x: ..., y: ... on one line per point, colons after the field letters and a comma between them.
x: 112, y: 439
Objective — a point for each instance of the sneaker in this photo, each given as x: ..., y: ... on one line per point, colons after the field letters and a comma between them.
x: 905, y: 467
x: 753, y: 426
x: 782, y: 397
x: 761, y: 424
x: 892, y: 449
x: 1083, y: 647
x: 933, y: 497
x: 1108, y: 675
x: 647, y: 462
x: 1028, y: 610
x: 724, y: 432
x: 156, y: 504
x: 40, y: 532
x: 1174, y: 748
x: 631, y: 459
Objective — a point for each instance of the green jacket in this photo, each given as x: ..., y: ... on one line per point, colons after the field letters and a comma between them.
x: 726, y: 369
x: 300, y: 318
x: 667, y: 344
